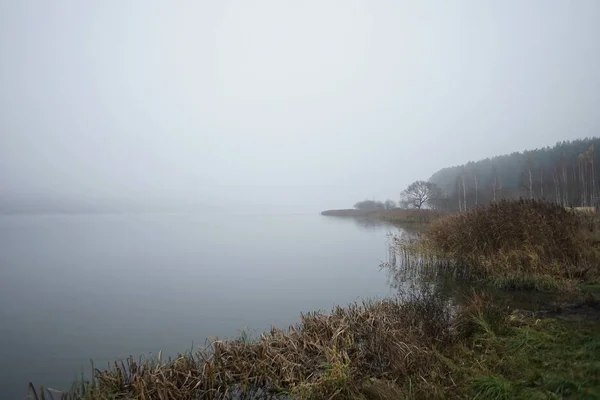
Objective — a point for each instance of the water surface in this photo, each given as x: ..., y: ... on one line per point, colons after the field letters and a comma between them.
x: 75, y: 287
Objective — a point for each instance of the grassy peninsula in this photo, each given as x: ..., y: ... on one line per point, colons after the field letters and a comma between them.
x: 528, y: 326
x: 395, y: 216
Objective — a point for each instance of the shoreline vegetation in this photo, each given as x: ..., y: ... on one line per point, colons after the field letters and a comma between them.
x: 393, y: 216
x: 504, y: 304
x: 415, y: 348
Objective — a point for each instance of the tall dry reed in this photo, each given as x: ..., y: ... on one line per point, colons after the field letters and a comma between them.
x: 517, y: 238
x: 352, y: 352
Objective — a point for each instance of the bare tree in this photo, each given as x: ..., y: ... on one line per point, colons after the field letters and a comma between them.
x: 581, y: 159
x: 494, y: 182
x: 563, y: 165
x: 593, y: 177
x: 464, y: 188
x: 476, y: 188
x: 556, y: 190
x: 529, y: 168
x: 593, y: 196
x: 541, y: 182
x: 576, y: 189
x: 420, y: 193
x: 457, y: 187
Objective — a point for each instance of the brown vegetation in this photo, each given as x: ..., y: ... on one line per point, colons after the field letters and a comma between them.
x: 349, y: 212
x: 407, y: 216
x: 394, y: 216
x: 585, y: 210
x: 518, y: 239
x: 424, y: 347
x: 367, y: 350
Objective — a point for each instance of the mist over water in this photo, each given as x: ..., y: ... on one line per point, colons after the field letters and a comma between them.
x: 104, y: 287
x: 306, y: 106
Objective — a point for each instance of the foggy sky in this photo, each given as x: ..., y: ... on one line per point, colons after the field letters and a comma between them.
x: 303, y: 104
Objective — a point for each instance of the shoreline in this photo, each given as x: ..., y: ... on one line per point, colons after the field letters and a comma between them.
x: 394, y: 216
x: 484, y: 348
x: 476, y: 325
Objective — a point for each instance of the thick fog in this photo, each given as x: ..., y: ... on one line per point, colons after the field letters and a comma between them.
x: 296, y: 105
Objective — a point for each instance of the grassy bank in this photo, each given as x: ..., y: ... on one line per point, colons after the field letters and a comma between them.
x: 395, y: 216
x: 538, y: 358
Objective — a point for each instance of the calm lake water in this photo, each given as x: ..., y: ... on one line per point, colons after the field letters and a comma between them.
x: 103, y: 287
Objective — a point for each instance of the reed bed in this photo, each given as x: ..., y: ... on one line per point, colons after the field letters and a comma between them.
x: 413, y: 261
x: 524, y: 244
x: 407, y: 216
x: 353, y: 352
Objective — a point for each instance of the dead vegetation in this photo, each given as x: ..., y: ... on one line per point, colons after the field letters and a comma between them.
x: 356, y: 351
x: 517, y: 244
x: 398, y: 216
x: 407, y: 216
x: 421, y: 348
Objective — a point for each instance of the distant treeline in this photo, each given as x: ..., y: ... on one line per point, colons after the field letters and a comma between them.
x: 374, y: 205
x: 565, y: 174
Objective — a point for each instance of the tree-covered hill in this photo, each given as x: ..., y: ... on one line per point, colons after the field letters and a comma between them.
x: 566, y: 174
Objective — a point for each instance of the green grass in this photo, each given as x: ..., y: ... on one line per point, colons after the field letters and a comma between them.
x: 540, y: 283
x: 592, y: 288
x: 493, y: 387
x: 539, y: 358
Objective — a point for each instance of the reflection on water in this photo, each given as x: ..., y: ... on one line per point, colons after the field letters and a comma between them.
x: 362, y: 222
x: 409, y: 268
x: 375, y: 224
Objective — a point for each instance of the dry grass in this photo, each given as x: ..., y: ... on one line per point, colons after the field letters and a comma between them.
x: 350, y: 212
x: 394, y: 216
x: 407, y: 216
x: 516, y: 240
x: 356, y: 351
x: 420, y: 348
x: 584, y: 210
